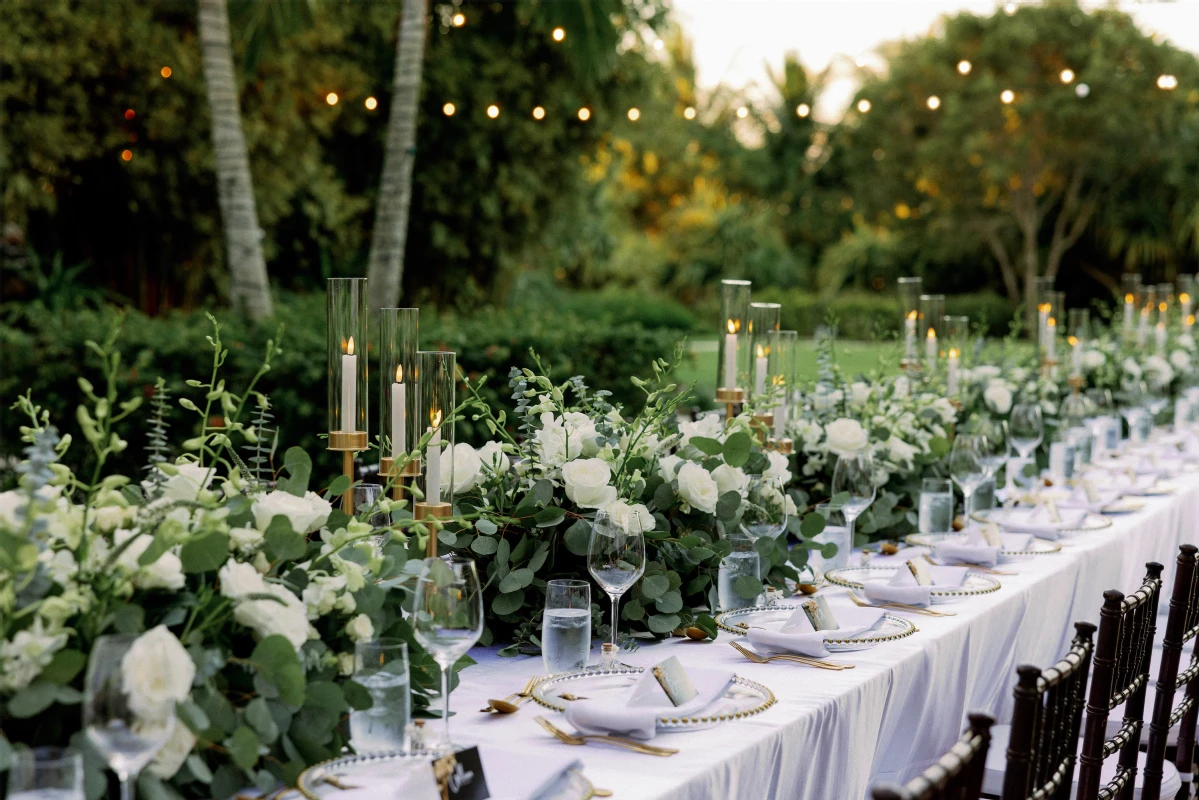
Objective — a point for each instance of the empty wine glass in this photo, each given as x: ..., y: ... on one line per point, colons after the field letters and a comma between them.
x: 854, y: 476
x: 993, y: 447
x: 966, y: 465
x: 765, y: 510
x: 45, y: 773
x: 1026, y: 428
x: 1131, y: 399
x: 127, y: 733
x: 616, y: 556
x: 447, y: 617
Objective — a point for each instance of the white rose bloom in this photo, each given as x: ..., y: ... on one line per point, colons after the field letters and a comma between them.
x: 667, y: 466
x: 286, y: 617
x: 846, y: 436
x: 731, y: 479
x: 165, y: 573
x: 697, y: 488
x: 238, y: 579
x: 467, y: 465
x: 360, y: 628
x: 305, y: 513
x: 245, y: 540
x: 899, y: 451
x: 587, y: 482
x: 1093, y: 360
x: 493, y: 457
x: 778, y: 469
x: 1158, y: 372
x: 186, y: 484
x: 709, y: 426
x: 580, y: 425
x: 25, y: 656
x: 170, y: 758
x: 109, y: 518
x: 986, y: 372
x: 156, y: 673
x: 1132, y: 367
x: 998, y: 397
x: 623, y: 514
x: 555, y: 443
x: 859, y: 393
x: 1180, y: 360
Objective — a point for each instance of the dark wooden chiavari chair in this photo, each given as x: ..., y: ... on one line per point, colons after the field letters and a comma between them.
x: 958, y: 775
x: 1182, y: 625
x: 1046, y: 720
x: 1120, y: 675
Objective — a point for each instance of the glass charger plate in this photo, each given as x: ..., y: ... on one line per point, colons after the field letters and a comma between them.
x: 1125, y: 505
x: 743, y: 698
x: 856, y: 578
x: 1037, y: 547
x: 1092, y: 521
x: 314, y: 782
x: 737, y: 621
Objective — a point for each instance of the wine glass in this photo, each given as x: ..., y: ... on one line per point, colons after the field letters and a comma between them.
x: 854, y: 475
x: 993, y: 447
x: 1131, y: 398
x: 127, y: 737
x: 1026, y: 428
x: 765, y: 513
x: 966, y: 466
x: 616, y: 556
x: 447, y: 617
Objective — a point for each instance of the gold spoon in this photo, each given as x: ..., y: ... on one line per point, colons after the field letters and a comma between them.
x: 505, y: 706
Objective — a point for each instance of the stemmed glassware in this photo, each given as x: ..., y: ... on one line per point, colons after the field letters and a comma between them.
x: 1131, y: 398
x: 854, y: 475
x: 966, y: 466
x: 123, y: 731
x: 616, y: 556
x: 1026, y: 428
x: 447, y: 616
x: 765, y: 513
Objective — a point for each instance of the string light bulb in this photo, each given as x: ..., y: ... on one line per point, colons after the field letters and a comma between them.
x: 1167, y: 82
x: 803, y: 110
x: 493, y: 111
x: 1009, y: 9
x: 1082, y: 90
x: 689, y: 112
x: 371, y: 103
x: 331, y: 98
x: 863, y: 105
x: 742, y: 112
x: 584, y: 113
x: 1007, y: 96
x: 559, y: 34
x: 165, y: 72
x: 448, y: 109
x: 933, y: 102
x: 634, y: 114
x: 1067, y: 75
x: 458, y: 19
x: 126, y: 155
x: 659, y: 44
x: 130, y: 113
x: 538, y: 113
x: 964, y: 67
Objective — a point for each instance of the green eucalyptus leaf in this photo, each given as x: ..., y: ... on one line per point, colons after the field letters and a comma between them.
x: 727, y: 505
x: 664, y: 623
x: 707, y: 446
x: 747, y: 587
x: 737, y: 448
x: 654, y: 586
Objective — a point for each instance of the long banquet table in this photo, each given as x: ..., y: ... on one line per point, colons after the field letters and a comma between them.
x: 834, y: 734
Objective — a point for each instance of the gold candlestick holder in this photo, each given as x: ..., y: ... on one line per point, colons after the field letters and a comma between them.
x: 1048, y: 367
x: 1076, y: 382
x: 387, y: 469
x: 731, y: 398
x: 347, y: 443
x: 783, y: 446
x: 422, y: 511
x: 763, y: 424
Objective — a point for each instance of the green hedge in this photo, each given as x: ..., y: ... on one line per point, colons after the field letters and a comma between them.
x: 50, y: 356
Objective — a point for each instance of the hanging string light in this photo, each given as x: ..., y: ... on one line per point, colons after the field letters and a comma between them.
x: 1067, y: 75
x: 584, y: 113
x: 538, y: 113
x: 448, y: 109
x: 1167, y: 82
x: 493, y: 111
x: 742, y: 112
x: 864, y: 105
x: 1007, y: 96
x: 634, y: 114
x: 689, y: 112
x: 803, y: 110
x: 370, y: 103
x: 458, y: 20
x: 933, y: 102
x: 165, y: 72
x: 964, y: 67
x: 331, y: 98
x: 558, y: 35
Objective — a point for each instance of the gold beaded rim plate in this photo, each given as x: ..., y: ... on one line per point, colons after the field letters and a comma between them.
x: 891, y: 629
x: 856, y: 577
x: 546, y: 693
x: 1036, y: 547
x: 313, y: 780
x: 1091, y: 522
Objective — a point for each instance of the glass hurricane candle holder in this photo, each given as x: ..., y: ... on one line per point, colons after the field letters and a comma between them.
x: 783, y: 347
x: 437, y: 379
x: 398, y: 431
x: 733, y: 344
x: 910, y: 290
x: 763, y: 323
x: 348, y: 374
x: 1185, y: 285
x: 932, y: 312
x: 1130, y: 301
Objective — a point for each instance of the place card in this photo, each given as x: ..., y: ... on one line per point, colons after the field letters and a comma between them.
x: 1055, y: 516
x: 990, y: 533
x: 459, y: 776
x: 675, y: 681
x: 819, y: 614
x: 920, y: 571
x: 1088, y: 486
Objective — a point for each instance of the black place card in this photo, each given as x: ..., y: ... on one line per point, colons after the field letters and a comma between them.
x: 459, y: 776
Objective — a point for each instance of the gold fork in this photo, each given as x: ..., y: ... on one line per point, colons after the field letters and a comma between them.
x: 928, y: 612
x: 510, y: 703
x: 973, y: 567
x: 580, y: 739
x: 811, y: 662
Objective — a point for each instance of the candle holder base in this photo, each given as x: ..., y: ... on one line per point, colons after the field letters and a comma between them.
x: 766, y: 419
x: 1076, y: 382
x: 726, y: 395
x: 910, y: 365
x: 956, y: 403
x: 347, y: 440
x: 422, y: 511
x: 783, y: 446
x: 387, y: 467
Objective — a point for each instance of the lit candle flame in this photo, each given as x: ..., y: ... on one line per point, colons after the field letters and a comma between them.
x: 1184, y: 298
x: 932, y: 334
x: 1128, y: 298
x: 1046, y: 307
x: 761, y: 352
x: 734, y: 325
x: 349, y: 347
x: 1162, y: 306
x: 953, y: 352
x: 1051, y: 322
x: 435, y: 417
x: 1073, y: 340
x: 400, y: 373
x: 1190, y: 319
x: 912, y: 315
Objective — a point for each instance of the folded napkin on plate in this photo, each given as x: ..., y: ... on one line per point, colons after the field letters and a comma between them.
x: 798, y: 636
x: 896, y: 559
x: 648, y: 701
x: 1104, y: 497
x: 973, y: 548
x: 1133, y: 486
x: 902, y: 587
x: 1037, y: 521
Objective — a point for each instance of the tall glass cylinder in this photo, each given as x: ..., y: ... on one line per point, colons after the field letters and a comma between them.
x: 348, y: 387
x: 398, y: 431
x: 957, y: 333
x: 783, y: 347
x: 1130, y: 302
x: 932, y: 313
x: 763, y: 324
x: 1080, y: 334
x: 1165, y: 302
x: 910, y: 290
x: 436, y: 375
x: 1185, y: 285
x: 733, y: 344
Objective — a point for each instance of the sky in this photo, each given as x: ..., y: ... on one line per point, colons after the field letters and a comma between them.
x: 735, y: 41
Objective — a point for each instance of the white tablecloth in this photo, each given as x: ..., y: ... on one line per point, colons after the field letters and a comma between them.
x: 833, y: 734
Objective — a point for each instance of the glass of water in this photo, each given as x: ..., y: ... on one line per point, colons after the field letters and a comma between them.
x: 381, y: 667
x: 741, y: 562
x: 566, y: 626
x: 936, y: 506
x: 46, y: 773
x: 835, y: 532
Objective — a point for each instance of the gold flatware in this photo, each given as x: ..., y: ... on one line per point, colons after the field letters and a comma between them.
x: 335, y: 782
x: 569, y: 696
x: 928, y: 612
x: 616, y: 741
x: 511, y: 703
x: 972, y: 567
x: 757, y: 658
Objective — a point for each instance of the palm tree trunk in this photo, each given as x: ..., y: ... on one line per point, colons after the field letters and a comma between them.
x: 249, y: 288
x: 386, y: 269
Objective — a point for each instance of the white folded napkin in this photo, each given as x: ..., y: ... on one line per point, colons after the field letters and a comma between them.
x: 971, y: 549
x: 1079, y: 499
x: 902, y: 586
x: 797, y: 635
x: 1037, y: 521
x: 648, y: 701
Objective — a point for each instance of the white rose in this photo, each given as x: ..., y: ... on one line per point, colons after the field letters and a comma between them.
x: 493, y: 457
x: 245, y: 540
x: 170, y: 758
x: 859, y: 393
x: 709, y: 426
x: 846, y: 436
x: 109, y: 518
x: 156, y: 673
x: 903, y: 387
x: 285, y: 616
x: 731, y: 479
x: 305, y: 513
x: 623, y: 514
x: 667, y: 466
x: 778, y: 469
x: 165, y: 573
x: 586, y: 482
x: 185, y: 484
x: 360, y: 628
x: 697, y: 487
x: 238, y: 579
x: 1180, y: 360
x: 1132, y: 367
x: 998, y: 397
x: 899, y: 451
x: 1093, y: 360
x: 580, y: 425
x: 466, y: 467
x: 1158, y: 372
x: 555, y: 444
x: 985, y: 372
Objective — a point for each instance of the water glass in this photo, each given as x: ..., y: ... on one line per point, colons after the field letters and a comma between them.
x: 381, y: 667
x: 984, y: 496
x: 741, y: 562
x: 46, y: 773
x: 936, y: 506
x: 835, y: 532
x: 566, y: 626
